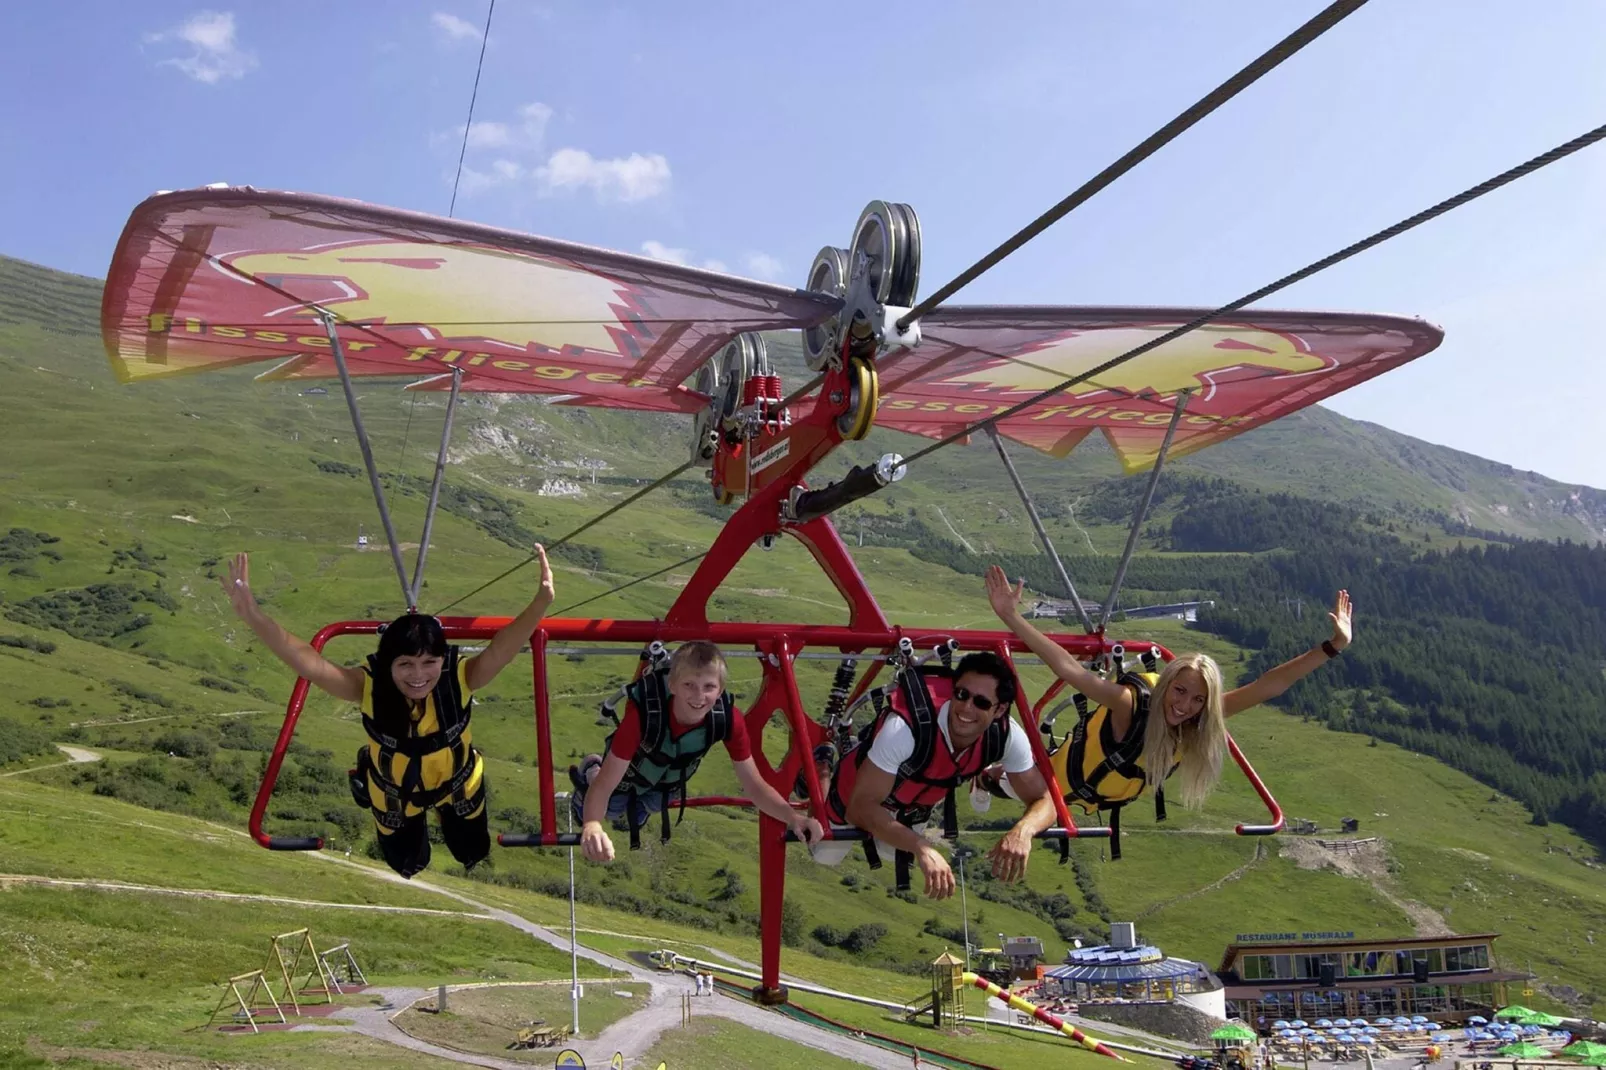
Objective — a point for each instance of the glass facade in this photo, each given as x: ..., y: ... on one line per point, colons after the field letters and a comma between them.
x: 1378, y: 962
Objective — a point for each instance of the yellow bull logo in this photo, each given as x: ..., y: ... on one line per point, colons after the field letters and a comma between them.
x: 449, y: 292
x: 1201, y: 359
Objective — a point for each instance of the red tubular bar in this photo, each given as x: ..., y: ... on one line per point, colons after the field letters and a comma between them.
x: 543, y: 735
x: 1259, y: 785
x: 1039, y: 753
x: 804, y: 731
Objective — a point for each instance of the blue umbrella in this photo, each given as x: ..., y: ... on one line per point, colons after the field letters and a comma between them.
x: 1478, y: 1019
x: 1371, y: 1029
x: 1298, y: 1023
x: 1342, y: 1023
x: 1367, y: 1039
x: 1280, y: 1024
x: 1442, y: 1038
x: 1317, y: 1038
x: 1484, y: 1034
x: 1400, y: 1027
x: 1358, y: 1021
x: 1417, y: 1019
x: 1287, y: 1033
x: 1324, y: 1023
x: 1382, y: 1019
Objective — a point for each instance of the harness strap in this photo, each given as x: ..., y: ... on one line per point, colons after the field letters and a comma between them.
x: 950, y: 816
x: 1115, y: 832
x: 872, y: 854
x: 632, y: 803
x: 901, y: 862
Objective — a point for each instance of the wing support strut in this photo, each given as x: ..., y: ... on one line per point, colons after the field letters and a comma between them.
x: 1037, y: 526
x: 435, y: 488
x: 339, y: 353
x: 1142, y: 513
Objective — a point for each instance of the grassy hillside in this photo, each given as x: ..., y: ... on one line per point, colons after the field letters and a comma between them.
x: 114, y: 635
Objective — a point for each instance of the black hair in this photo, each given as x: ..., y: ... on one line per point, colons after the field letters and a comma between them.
x: 986, y: 663
x: 411, y: 636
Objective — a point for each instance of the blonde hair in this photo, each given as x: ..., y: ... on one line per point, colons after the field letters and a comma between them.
x: 696, y: 655
x: 1196, y: 747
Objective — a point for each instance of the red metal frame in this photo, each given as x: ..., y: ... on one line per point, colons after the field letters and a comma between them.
x: 807, y: 442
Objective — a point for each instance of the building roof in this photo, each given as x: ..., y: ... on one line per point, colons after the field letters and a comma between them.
x: 1255, y: 990
x: 1107, y: 964
x: 1279, y: 947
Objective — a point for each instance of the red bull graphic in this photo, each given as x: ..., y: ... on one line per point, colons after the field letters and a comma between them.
x: 212, y: 278
x: 981, y: 362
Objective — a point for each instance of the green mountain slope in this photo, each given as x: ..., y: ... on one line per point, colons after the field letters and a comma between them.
x: 125, y: 499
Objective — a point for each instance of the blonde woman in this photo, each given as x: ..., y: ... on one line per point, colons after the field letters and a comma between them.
x: 1148, y: 726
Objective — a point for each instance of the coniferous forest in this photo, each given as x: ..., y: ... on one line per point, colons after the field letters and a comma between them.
x: 1489, y: 655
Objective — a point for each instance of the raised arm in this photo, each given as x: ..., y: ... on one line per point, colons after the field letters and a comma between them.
x: 1275, y: 681
x: 505, y: 646
x: 339, y: 681
x: 1006, y: 603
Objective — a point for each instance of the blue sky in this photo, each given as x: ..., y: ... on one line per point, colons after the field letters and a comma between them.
x: 749, y: 135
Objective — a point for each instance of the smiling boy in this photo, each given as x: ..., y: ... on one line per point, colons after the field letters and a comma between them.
x: 673, y: 718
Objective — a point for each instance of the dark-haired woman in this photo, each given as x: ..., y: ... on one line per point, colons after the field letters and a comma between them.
x: 415, y: 693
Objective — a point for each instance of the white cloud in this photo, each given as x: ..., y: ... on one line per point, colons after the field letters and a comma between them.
x: 659, y: 251
x: 454, y: 28
x: 624, y: 178
x: 489, y: 135
x: 764, y: 265
x: 500, y: 173
x: 527, y: 133
x: 216, y: 54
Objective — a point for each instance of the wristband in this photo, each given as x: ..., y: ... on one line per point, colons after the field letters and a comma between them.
x: 1329, y: 649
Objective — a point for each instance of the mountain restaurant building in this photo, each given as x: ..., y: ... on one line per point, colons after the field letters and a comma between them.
x: 1329, y: 975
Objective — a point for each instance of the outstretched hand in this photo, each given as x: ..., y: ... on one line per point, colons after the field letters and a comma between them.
x: 237, y: 585
x: 1340, y: 616
x: 1004, y: 598
x: 546, y: 593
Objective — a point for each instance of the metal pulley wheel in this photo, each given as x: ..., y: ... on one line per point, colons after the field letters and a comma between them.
x: 705, y: 424
x: 822, y: 345
x: 864, y: 393
x: 888, y: 237
x: 735, y: 363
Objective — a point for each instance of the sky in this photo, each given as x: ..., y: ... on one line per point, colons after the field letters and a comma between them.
x: 746, y: 136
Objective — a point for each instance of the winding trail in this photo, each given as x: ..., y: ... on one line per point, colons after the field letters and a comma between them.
x: 75, y: 755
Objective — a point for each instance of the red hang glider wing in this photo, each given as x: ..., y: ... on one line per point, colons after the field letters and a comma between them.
x: 1244, y: 371
x: 211, y: 278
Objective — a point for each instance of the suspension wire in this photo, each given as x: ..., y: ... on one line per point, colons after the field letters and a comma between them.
x: 1268, y: 61
x: 469, y: 124
x: 401, y: 459
x: 599, y: 518
x: 632, y: 583
x: 1583, y: 141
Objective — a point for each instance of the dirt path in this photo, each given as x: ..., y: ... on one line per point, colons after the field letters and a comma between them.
x: 1367, y: 862
x: 74, y: 756
x: 1259, y: 856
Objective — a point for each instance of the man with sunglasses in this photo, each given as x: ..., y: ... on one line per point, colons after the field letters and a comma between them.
x: 915, y: 755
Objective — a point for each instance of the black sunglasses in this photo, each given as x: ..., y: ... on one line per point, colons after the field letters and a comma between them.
x: 981, y: 702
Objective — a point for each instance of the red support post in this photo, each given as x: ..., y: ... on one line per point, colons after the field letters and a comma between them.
x: 543, y: 734
x: 771, y: 898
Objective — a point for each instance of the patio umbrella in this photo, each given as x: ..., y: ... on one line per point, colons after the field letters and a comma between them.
x: 1298, y: 1023
x: 1585, y: 1049
x: 1234, y: 1031
x: 1540, y: 1018
x: 1442, y: 1038
x: 1281, y: 1023
x: 1417, y: 1019
x: 1514, y: 1011
x: 1287, y: 1033
x: 1525, y: 1050
x: 1344, y: 1023
x: 1324, y: 1023
x: 1478, y: 1019
x: 1366, y: 1039
x: 1359, y: 1021
x: 1400, y: 1027
x: 1371, y: 1029
x: 1317, y: 1038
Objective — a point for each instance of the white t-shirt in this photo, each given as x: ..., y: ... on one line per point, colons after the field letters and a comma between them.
x: 895, y: 742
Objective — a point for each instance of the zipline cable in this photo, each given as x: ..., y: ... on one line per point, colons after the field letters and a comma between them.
x: 632, y: 583
x: 469, y: 125
x: 1268, y: 61
x: 1544, y: 160
x: 599, y: 518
